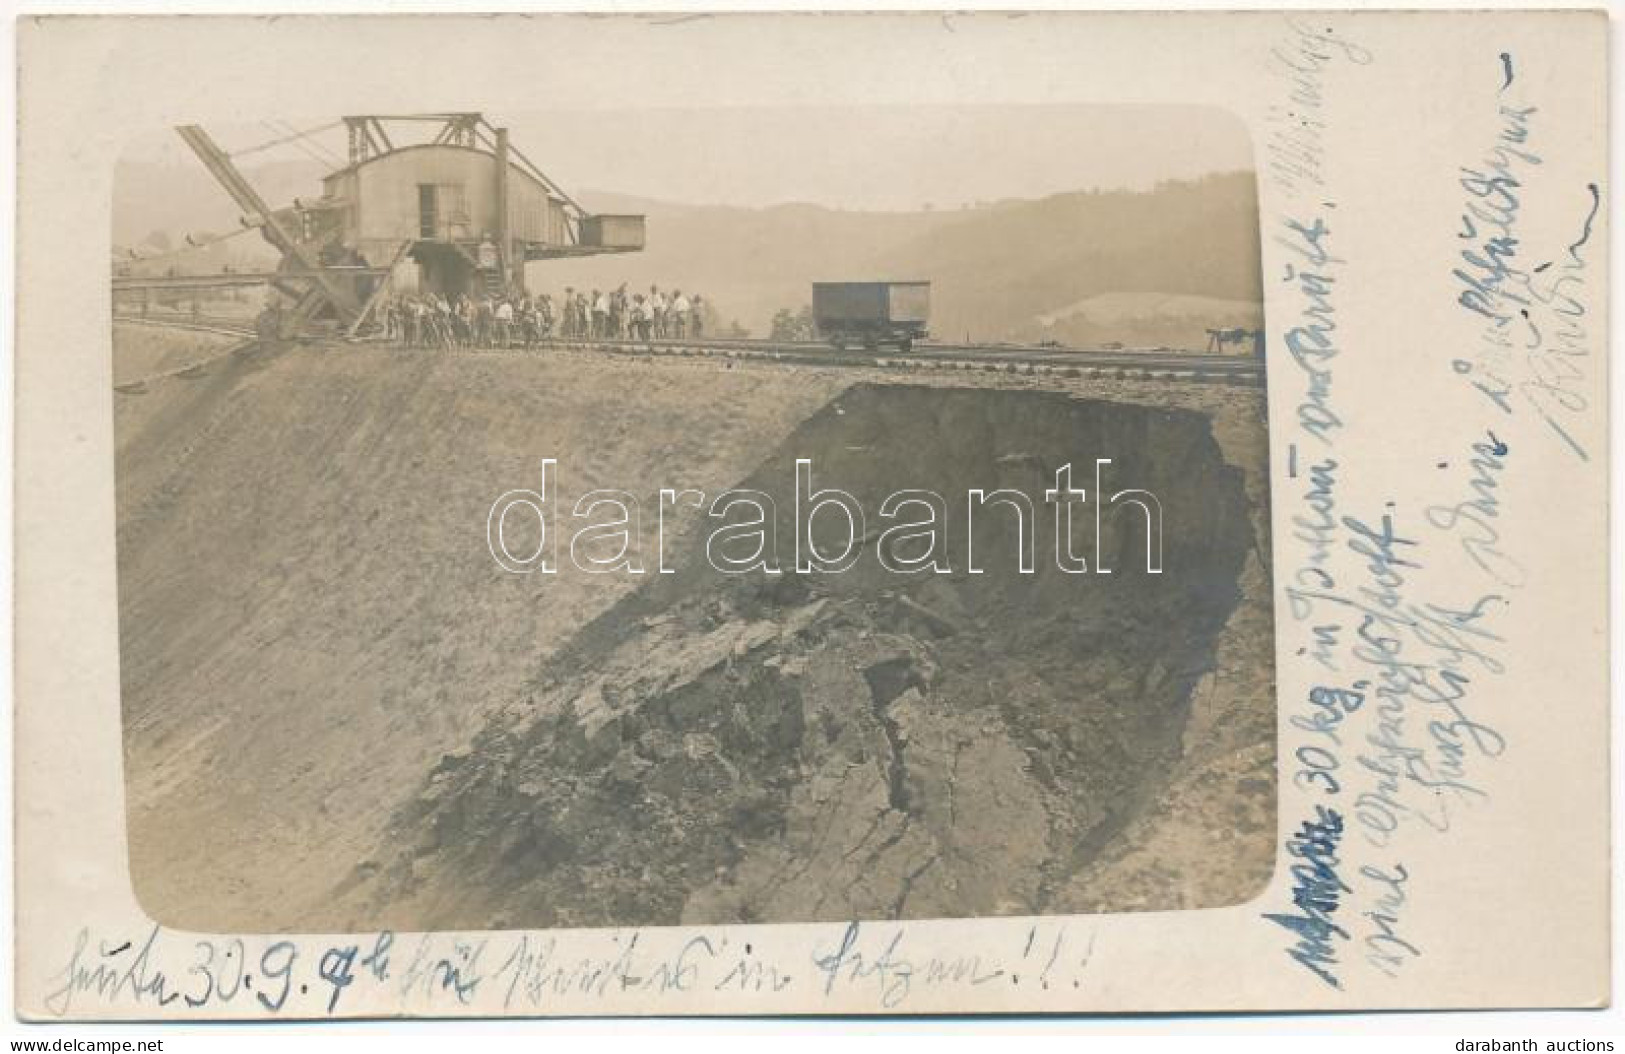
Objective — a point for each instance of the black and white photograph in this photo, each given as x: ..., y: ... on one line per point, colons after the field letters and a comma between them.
x: 810, y: 526
x: 685, y: 516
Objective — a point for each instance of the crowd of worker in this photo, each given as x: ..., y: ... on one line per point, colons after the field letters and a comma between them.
x: 520, y: 320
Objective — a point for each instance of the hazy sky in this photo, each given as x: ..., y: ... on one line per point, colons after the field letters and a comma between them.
x: 858, y: 158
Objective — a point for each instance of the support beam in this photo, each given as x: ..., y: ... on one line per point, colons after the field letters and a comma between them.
x: 378, y: 291
x: 291, y: 290
x: 504, y: 212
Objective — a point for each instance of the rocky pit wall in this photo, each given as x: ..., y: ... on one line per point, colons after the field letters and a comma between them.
x: 339, y: 711
x: 763, y: 748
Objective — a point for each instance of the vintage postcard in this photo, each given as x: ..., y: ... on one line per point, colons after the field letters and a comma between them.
x: 811, y: 514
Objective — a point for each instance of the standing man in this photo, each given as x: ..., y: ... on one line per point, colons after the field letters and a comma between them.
x: 484, y: 316
x: 639, y: 317
x: 618, y: 310
x: 462, y: 320
x: 414, y: 322
x: 544, y: 311
x: 657, y: 311
x: 677, y: 314
x: 504, y: 319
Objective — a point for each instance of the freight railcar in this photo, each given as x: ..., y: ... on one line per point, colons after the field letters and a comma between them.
x: 871, y: 313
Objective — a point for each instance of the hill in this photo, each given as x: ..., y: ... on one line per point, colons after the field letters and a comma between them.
x: 1004, y: 271
x: 155, y: 206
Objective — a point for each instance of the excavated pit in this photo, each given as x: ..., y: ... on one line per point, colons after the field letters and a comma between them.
x: 752, y: 748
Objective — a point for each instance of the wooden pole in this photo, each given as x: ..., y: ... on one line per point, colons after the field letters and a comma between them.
x: 504, y: 217
x: 378, y: 291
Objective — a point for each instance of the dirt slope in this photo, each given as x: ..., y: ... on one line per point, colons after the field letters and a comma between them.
x: 791, y: 748
x: 333, y: 695
x: 309, y: 616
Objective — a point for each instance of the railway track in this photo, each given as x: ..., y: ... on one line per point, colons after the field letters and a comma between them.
x: 1124, y: 363
x: 234, y: 327
x: 1023, y: 352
